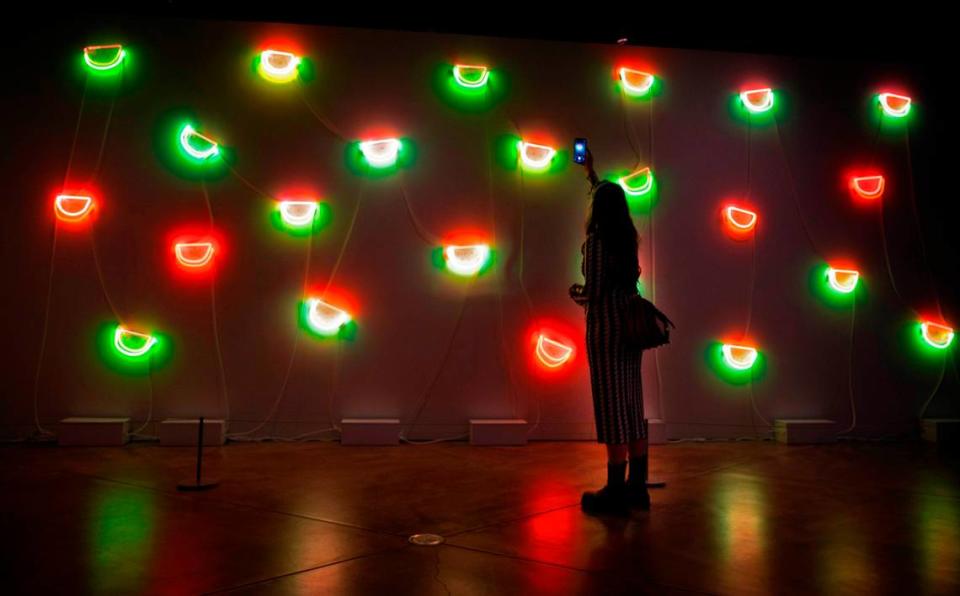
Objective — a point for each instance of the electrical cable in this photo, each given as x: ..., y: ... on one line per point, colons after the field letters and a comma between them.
x: 43, y: 338
x: 247, y: 183
x: 491, y: 202
x: 850, y: 391
x: 103, y: 139
x: 137, y: 432
x: 421, y: 230
x: 626, y: 130
x: 522, y: 251
x: 795, y: 194
x: 49, y: 295
x: 224, y: 395
x: 331, y: 128
x: 436, y: 377
x: 343, y: 246
x: 290, y: 361
x: 76, y: 131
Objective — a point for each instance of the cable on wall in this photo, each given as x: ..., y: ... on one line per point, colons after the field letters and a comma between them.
x: 428, y: 392
x: 42, y: 432
x: 331, y: 128
x: 213, y: 316
x: 850, y: 368
x: 421, y: 230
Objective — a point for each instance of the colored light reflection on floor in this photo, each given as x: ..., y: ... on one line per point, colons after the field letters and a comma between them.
x: 844, y: 564
x: 741, y: 532
x: 120, y: 534
x: 937, y: 527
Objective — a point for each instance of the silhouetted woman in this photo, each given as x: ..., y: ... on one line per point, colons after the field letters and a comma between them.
x: 611, y: 269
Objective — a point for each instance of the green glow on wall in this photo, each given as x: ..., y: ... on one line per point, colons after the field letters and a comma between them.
x: 639, y: 204
x: 468, y: 99
x: 106, y: 59
x: 759, y: 119
x: 157, y: 356
x: 439, y: 261
x: 358, y: 165
x: 819, y: 285
x: 638, y: 93
x: 320, y: 220
x: 346, y: 331
x: 713, y: 356
x: 170, y: 153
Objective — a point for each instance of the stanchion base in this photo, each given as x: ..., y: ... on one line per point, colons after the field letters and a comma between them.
x: 656, y: 483
x: 194, y: 486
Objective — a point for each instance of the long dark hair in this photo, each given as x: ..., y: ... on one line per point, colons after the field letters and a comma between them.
x: 610, y: 221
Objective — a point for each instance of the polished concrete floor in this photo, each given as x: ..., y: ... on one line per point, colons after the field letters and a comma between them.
x: 318, y: 518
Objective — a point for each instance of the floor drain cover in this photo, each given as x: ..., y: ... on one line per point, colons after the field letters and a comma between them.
x: 426, y: 539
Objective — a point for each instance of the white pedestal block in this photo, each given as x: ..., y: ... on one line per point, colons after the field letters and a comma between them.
x: 805, y: 432
x: 370, y: 431
x: 502, y: 431
x: 93, y: 432
x: 941, y: 430
x: 180, y: 432
x: 656, y: 432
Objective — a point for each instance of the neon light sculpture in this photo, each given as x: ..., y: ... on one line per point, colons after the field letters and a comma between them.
x: 381, y: 153
x: 277, y: 66
x: 535, y: 156
x: 122, y: 337
x: 936, y: 335
x: 636, y: 82
x: 188, y: 136
x: 466, y: 259
x: 868, y: 187
x: 470, y: 76
x: 551, y: 353
x: 298, y: 214
x: 739, y: 220
x: 893, y: 105
x: 757, y: 101
x: 324, y: 318
x: 638, y: 183
x: 739, y: 357
x: 843, y: 280
x: 73, y: 208
x: 114, y: 61
x: 194, y: 254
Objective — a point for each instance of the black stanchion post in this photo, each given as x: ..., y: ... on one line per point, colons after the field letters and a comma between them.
x: 199, y: 483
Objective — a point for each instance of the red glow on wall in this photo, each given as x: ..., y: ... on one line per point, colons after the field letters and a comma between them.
x: 552, y: 347
x: 75, y: 208
x: 638, y: 64
x: 868, y: 187
x: 194, y: 251
x: 865, y: 184
x: 337, y: 295
x: 739, y: 219
x: 281, y: 41
x: 466, y: 235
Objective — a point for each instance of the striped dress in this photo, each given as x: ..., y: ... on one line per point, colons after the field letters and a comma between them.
x: 614, y: 369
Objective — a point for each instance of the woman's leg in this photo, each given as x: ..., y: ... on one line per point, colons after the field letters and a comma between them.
x: 612, y: 498
x: 637, y: 481
x: 617, y: 454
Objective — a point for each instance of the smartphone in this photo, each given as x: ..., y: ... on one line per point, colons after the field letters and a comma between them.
x: 579, y: 150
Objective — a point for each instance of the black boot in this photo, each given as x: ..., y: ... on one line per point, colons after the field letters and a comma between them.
x: 612, y: 498
x: 637, y: 495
